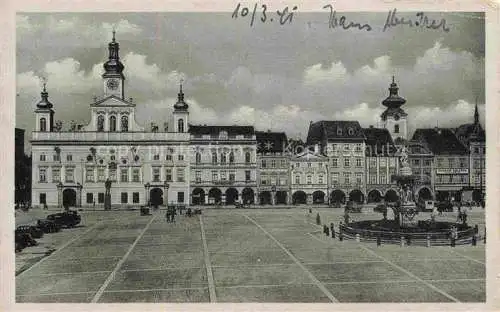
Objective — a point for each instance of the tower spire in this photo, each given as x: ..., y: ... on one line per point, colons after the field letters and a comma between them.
x: 476, y: 114
x: 180, y: 105
x: 44, y: 102
x: 113, y: 65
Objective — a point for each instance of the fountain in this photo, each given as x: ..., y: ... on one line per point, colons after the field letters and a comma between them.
x: 404, y: 225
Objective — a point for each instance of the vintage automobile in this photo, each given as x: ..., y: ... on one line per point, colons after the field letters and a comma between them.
x: 23, y: 240
x: 48, y: 226
x: 444, y: 206
x: 34, y: 231
x: 66, y: 219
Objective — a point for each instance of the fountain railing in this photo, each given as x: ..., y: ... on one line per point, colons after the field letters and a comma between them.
x: 364, y: 233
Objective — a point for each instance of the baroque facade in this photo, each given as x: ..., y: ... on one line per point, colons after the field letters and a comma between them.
x: 222, y: 165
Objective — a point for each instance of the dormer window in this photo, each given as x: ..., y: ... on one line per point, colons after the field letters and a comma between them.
x: 223, y: 134
x: 339, y: 131
x: 350, y: 131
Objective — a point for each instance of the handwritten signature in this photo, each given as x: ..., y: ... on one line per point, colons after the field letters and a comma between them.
x: 422, y: 21
x: 335, y: 21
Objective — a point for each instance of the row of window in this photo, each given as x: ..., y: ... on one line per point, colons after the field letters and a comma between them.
x: 452, y: 178
x: 309, y: 179
x: 56, y: 174
x: 273, y: 181
x: 450, y: 162
x: 358, y: 178
x: 272, y: 163
x: 224, y: 158
x: 383, y: 162
x: 346, y: 147
x: 347, y: 162
x: 56, y: 157
x: 112, y: 123
x: 90, y: 174
x: 222, y: 176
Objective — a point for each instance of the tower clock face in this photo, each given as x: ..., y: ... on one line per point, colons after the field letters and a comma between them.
x: 113, y: 84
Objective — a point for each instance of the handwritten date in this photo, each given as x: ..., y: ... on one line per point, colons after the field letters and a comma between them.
x: 284, y: 16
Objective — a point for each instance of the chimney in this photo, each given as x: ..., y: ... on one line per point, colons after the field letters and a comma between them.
x: 371, y: 126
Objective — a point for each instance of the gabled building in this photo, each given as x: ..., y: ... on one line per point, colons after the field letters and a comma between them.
x: 223, y: 164
x: 451, y: 161
x: 382, y: 162
x: 273, y: 163
x: 473, y: 137
x: 421, y: 160
x: 309, y: 174
x: 343, y: 143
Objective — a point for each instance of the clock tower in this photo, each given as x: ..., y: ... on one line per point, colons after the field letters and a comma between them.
x: 394, y: 117
x: 113, y: 77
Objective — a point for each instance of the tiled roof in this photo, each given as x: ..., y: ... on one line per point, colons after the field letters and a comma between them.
x: 215, y: 130
x: 441, y: 141
x: 378, y: 142
x: 271, y: 142
x: 334, y: 130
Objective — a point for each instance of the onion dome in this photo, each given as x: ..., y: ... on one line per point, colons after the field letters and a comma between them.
x: 393, y: 100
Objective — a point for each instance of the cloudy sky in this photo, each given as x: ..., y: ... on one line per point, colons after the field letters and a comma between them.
x: 270, y: 76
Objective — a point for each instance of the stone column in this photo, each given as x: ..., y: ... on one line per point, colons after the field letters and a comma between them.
x: 256, y: 198
x: 78, y: 196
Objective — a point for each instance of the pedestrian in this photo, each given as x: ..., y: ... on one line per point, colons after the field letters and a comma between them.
x: 327, y: 231
x: 476, y: 229
x: 464, y: 218
x: 332, y: 229
x: 168, y: 215
x: 173, y: 214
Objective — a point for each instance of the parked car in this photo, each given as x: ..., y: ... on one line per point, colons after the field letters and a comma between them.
x: 68, y: 218
x: 444, y: 206
x: 34, y: 231
x: 425, y: 205
x: 23, y: 240
x: 48, y: 226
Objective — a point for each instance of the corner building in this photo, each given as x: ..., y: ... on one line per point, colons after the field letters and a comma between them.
x: 71, y: 166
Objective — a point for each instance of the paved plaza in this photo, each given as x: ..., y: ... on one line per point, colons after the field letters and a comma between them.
x: 252, y: 255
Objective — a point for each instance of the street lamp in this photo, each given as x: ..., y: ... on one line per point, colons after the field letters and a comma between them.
x: 273, y: 190
x: 165, y: 191
x: 146, y: 187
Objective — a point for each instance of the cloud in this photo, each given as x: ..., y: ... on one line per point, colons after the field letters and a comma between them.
x: 317, y: 74
x: 74, y: 26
